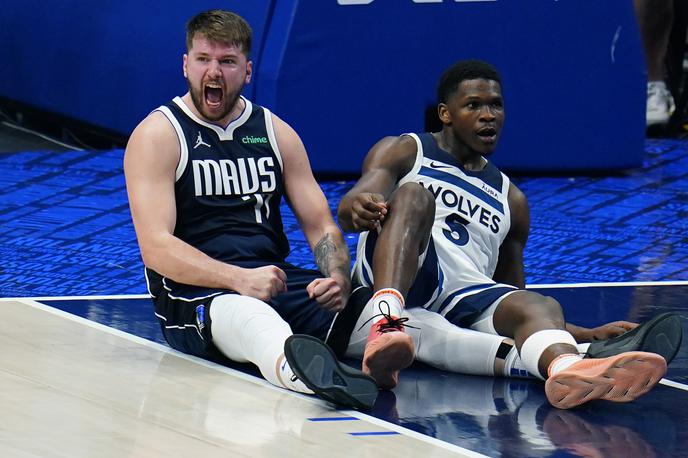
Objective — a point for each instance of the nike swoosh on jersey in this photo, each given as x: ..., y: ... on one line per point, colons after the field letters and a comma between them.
x: 439, y: 165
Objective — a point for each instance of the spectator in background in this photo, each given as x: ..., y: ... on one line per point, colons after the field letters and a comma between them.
x: 655, y: 18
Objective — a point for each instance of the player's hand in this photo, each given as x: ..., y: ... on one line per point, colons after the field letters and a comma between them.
x: 609, y: 330
x: 368, y: 211
x: 328, y: 293
x: 263, y: 283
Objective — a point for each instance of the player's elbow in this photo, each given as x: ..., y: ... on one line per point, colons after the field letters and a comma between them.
x: 152, y: 251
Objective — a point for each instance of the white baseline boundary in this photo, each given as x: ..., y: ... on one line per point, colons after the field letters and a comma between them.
x: 664, y: 381
x: 233, y: 372
x: 534, y: 286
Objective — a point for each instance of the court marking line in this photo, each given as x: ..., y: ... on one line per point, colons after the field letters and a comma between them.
x: 375, y: 433
x: 325, y: 419
x: 409, y: 432
x: 671, y: 383
x: 610, y: 284
x: 544, y: 285
x: 243, y: 376
x: 663, y: 381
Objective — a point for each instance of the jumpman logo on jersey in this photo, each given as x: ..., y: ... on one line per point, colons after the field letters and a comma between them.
x: 199, y: 141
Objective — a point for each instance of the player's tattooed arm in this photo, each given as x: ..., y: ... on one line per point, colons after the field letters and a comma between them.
x: 330, y: 258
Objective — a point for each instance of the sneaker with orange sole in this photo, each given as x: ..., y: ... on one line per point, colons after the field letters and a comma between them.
x: 388, y: 350
x: 619, y: 378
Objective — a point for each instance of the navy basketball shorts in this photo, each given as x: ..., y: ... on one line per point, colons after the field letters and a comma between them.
x: 183, y: 312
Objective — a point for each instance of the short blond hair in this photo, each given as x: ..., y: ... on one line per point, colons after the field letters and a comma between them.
x: 220, y: 26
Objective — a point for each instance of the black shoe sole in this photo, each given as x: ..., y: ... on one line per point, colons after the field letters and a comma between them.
x: 661, y: 335
x: 315, y: 364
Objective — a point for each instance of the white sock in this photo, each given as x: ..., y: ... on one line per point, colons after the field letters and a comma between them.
x: 246, y: 329
x: 514, y: 367
x: 288, y: 379
x: 387, y: 300
x: 538, y: 342
x: 561, y: 362
x: 582, y: 348
x: 660, y: 84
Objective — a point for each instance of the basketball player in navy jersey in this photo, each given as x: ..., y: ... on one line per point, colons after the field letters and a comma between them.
x: 443, y: 230
x: 205, y: 176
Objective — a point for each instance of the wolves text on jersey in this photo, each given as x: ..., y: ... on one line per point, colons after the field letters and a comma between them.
x: 473, y: 210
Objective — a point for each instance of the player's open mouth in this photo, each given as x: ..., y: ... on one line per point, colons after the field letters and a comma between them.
x: 213, y: 95
x: 487, y: 134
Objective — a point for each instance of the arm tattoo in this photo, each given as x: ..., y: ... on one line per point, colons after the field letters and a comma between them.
x: 323, y: 252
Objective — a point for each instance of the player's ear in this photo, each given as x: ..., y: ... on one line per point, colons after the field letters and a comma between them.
x: 443, y: 113
x: 185, y: 59
x: 249, y: 72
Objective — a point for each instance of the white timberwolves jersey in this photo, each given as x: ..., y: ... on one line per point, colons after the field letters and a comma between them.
x: 472, y: 218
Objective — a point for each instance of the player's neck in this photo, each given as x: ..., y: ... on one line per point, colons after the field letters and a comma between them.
x: 469, y: 158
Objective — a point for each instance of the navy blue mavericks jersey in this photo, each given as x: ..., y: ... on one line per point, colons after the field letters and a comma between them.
x: 228, y: 186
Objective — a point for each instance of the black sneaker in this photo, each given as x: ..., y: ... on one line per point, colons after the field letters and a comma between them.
x: 315, y: 364
x: 661, y: 335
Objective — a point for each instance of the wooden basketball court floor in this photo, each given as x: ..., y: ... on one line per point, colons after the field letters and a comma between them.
x: 84, y: 371
x: 72, y: 388
x: 89, y: 376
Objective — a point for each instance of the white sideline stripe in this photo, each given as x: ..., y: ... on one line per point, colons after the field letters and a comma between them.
x: 73, y: 298
x: 671, y: 383
x: 258, y: 381
x: 610, y: 284
x: 543, y: 285
x: 414, y: 434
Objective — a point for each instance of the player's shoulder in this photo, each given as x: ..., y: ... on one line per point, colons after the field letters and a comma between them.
x: 154, y: 135
x: 394, y: 153
x: 155, y: 125
x: 398, y: 148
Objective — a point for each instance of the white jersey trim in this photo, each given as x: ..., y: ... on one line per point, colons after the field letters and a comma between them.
x: 416, y: 165
x: 226, y: 133
x: 183, y: 147
x: 270, y: 128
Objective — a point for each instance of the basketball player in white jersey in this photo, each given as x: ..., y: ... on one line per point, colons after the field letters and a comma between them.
x: 443, y: 230
x: 205, y: 176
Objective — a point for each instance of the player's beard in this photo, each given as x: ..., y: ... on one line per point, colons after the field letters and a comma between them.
x: 228, y: 102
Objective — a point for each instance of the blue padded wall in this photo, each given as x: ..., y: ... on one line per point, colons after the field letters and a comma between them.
x: 105, y: 62
x: 346, y: 75
x: 572, y: 70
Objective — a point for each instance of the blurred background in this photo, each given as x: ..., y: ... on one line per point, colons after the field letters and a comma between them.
x: 346, y: 72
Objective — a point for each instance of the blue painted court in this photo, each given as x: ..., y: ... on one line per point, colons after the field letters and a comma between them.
x: 607, y: 247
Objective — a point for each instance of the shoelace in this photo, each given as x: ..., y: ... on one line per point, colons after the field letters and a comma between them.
x: 391, y: 324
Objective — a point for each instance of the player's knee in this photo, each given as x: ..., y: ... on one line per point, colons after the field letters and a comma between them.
x: 548, y: 308
x: 415, y: 201
x: 535, y: 307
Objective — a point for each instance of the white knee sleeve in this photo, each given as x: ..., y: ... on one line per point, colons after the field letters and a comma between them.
x: 246, y: 329
x: 446, y: 346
